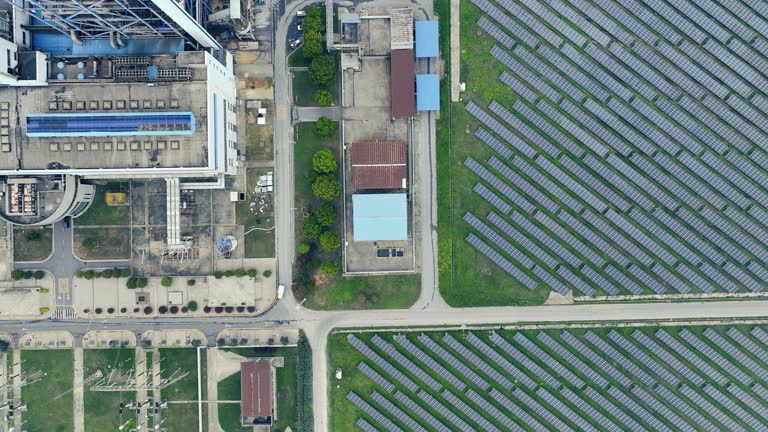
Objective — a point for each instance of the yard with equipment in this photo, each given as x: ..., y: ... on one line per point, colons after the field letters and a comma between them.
x: 182, y: 410
x: 580, y: 165
x: 102, y: 367
x: 256, y: 214
x: 628, y: 378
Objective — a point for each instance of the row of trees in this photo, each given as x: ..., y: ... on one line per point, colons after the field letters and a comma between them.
x: 106, y: 274
x: 252, y: 273
x: 18, y: 275
x: 304, y: 384
x: 322, y: 67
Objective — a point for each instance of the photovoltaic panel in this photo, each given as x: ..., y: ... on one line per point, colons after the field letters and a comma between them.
x: 590, y: 235
x: 640, y: 180
x: 599, y: 280
x: 685, y: 120
x: 569, y: 358
x: 610, y: 177
x: 524, y: 185
x: 623, y: 280
x: 595, y: 184
x: 666, y: 358
x: 554, y: 77
x: 648, y: 399
x: 751, y: 55
x: 532, y: 22
x: 647, y: 279
x: 731, y: 407
x: 574, y: 129
x: 698, y: 186
x: 634, y: 63
x: 743, y: 277
x: 643, y: 358
x: 610, y: 352
x: 575, y: 281
x: 664, y: 236
x: 596, y: 71
x: 719, y: 277
x: 621, y: 130
x: 735, y: 233
x: 749, y: 401
x: 714, y: 180
x: 407, y: 364
x: 746, y: 167
x: 629, y: 20
x: 492, y: 198
x: 473, y: 359
x: 618, y: 238
x: 379, y: 361
x: 550, y: 281
x: 601, y: 19
x: 585, y: 119
x: 640, y: 237
x: 554, y: 21
x: 638, y: 410
x: 672, y: 185
x: 469, y: 412
x: 493, y: 143
x: 376, y: 377
x: 445, y: 412
x: 713, y: 236
x: 518, y: 412
x: 546, y: 239
x: 421, y: 413
x: 453, y: 362
x: 504, y: 39
x: 589, y: 411
x: 699, y: 282
x: 500, y: 186
x: 620, y: 71
x: 726, y: 113
x: 735, y: 177
x: 736, y: 83
x: 548, y: 360
x: 647, y: 128
x: 673, y: 130
x: 684, y: 408
x: 714, y: 356
x: 498, y: 240
x: 526, y: 74
x: 506, y: 22
x: 759, y: 334
x: 494, y: 412
x: 580, y: 22
x: 541, y: 411
x: 760, y: 391
x: 365, y: 426
x: 692, y: 69
x: 563, y: 409
x: 373, y: 412
x: 524, y: 130
x: 724, y: 19
x: 502, y: 262
x: 522, y: 359
x: 522, y: 240
x: 736, y: 354
x: 430, y: 363
x: 662, y: 273
x: 743, y: 340
x: 613, y: 410
x: 497, y: 358
x: 739, y: 66
x: 672, y: 72
x: 519, y: 88
x: 569, y: 239
x: 546, y: 127
x: 677, y: 20
x: 589, y: 84
x: 399, y: 414
x: 598, y: 361
x: 500, y: 130
x: 686, y: 234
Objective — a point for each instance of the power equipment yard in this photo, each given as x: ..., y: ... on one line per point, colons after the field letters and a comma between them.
x: 605, y: 148
x: 631, y: 378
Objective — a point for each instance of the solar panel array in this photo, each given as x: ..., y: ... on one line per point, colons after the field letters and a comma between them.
x: 407, y: 364
x: 660, y: 379
x: 379, y: 361
x: 621, y: 113
x: 365, y: 426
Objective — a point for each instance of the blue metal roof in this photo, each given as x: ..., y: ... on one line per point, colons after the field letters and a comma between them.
x: 379, y: 217
x: 110, y: 124
x: 427, y: 93
x: 56, y: 43
x: 426, y: 39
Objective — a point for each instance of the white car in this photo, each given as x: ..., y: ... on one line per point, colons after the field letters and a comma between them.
x: 299, y: 27
x: 280, y: 291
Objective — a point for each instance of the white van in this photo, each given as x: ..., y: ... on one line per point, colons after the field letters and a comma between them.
x: 301, y: 13
x: 280, y: 291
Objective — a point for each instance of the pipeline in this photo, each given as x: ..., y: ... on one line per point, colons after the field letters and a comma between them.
x: 119, y: 40
x: 75, y: 39
x: 112, y: 40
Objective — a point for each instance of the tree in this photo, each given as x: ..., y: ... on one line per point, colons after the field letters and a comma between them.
x: 191, y: 282
x: 131, y: 283
x: 239, y: 273
x: 33, y: 235
x: 89, y: 274
x: 221, y: 342
x: 229, y: 273
x: 17, y: 275
x: 311, y: 228
x: 90, y: 244
x: 39, y: 274
x: 141, y: 282
x: 325, y: 127
x: 166, y: 281
x: 304, y: 248
x: 218, y: 275
x: 323, y: 98
x: 196, y: 342
x: 326, y: 214
x: 125, y: 272
x: 4, y: 345
x: 284, y: 340
x: 267, y: 273
x: 107, y: 274
x: 330, y: 268
x: 322, y: 70
x: 252, y: 273
x: 313, y: 45
x: 192, y: 306
x: 314, y: 21
x: 324, y: 162
x: 326, y: 187
x: 329, y: 241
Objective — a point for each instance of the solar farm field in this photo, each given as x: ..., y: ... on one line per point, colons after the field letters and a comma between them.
x: 609, y: 147
x: 602, y: 379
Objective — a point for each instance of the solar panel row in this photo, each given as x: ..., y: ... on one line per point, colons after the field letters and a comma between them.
x: 406, y: 363
x: 386, y: 366
x: 431, y: 363
x: 453, y: 362
x: 473, y: 359
x: 373, y: 412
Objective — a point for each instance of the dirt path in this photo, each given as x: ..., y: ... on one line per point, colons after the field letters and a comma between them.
x: 77, y: 391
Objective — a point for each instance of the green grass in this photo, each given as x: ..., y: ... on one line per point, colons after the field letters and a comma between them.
x: 102, y: 408
x: 113, y: 243
x: 259, y: 142
x: 366, y: 292
x: 182, y: 416
x: 32, y: 250
x: 342, y: 355
x: 304, y: 89
x: 286, y: 389
x: 229, y: 414
x: 258, y: 243
x: 49, y: 401
x: 99, y: 213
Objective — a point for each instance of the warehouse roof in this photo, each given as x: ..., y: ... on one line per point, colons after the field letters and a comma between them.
x: 377, y: 217
x: 378, y: 165
x: 426, y: 39
x: 427, y: 93
x: 403, y: 83
x: 256, y: 392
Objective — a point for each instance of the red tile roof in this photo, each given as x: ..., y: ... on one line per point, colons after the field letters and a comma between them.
x: 256, y: 391
x: 379, y: 165
x: 402, y: 83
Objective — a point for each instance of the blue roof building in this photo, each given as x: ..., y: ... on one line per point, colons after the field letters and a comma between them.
x: 426, y: 39
x: 377, y: 217
x: 427, y: 93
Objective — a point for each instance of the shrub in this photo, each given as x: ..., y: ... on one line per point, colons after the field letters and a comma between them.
x: 322, y: 70
x: 267, y: 273
x: 239, y: 273
x: 218, y: 275
x: 311, y: 228
x: 43, y: 290
x: 97, y: 311
x: 304, y: 248
x: 284, y: 340
x: 162, y: 309
x: 90, y: 244
x: 324, y: 161
x: 107, y: 274
x: 323, y: 98
x: 29, y: 274
x: 313, y: 45
x: 330, y: 268
x: 329, y: 241
x: 191, y: 282
x: 141, y: 282
x: 252, y: 273
x: 42, y: 311
x: 192, y: 305
x: 110, y: 310
x: 166, y: 281
x: 17, y: 275
x: 326, y: 187
x: 123, y: 310
x: 221, y: 342
x: 32, y: 235
x: 125, y: 272
x: 326, y: 214
x: 147, y: 310
x: 229, y: 273
x: 39, y: 274
x: 304, y: 384
x: 325, y: 127
x: 89, y: 274
x: 131, y: 283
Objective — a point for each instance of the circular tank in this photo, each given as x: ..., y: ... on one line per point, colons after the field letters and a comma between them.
x: 60, y: 77
x: 81, y: 76
x: 226, y: 244
x: 80, y: 65
x: 60, y: 65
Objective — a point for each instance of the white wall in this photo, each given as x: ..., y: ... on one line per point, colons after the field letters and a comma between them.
x: 222, y: 100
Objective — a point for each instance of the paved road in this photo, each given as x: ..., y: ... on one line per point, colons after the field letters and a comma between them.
x: 311, y: 114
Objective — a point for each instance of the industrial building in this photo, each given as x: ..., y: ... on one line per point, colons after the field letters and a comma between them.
x: 256, y: 392
x: 379, y: 165
x: 380, y: 217
x: 109, y: 90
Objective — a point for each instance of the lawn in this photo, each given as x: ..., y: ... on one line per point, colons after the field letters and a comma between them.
x: 259, y: 220
x: 366, y: 292
x: 229, y: 389
x: 32, y: 243
x: 49, y: 401
x: 99, y: 213
x: 599, y: 369
x: 258, y: 145
x: 102, y: 408
x: 304, y: 89
x: 182, y: 416
x: 110, y: 243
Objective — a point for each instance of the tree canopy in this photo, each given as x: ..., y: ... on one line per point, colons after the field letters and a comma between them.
x: 322, y: 70
x: 311, y: 228
x: 326, y: 187
x: 329, y: 241
x: 325, y: 127
x: 326, y: 214
x: 330, y: 268
x: 313, y: 45
x: 323, y: 98
x: 324, y: 161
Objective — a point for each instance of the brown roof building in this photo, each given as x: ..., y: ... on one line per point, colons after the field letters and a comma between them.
x: 256, y: 392
x: 379, y: 165
x: 402, y: 83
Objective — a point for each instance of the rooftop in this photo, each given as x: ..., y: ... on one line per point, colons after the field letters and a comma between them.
x: 379, y: 217
x: 378, y: 165
x: 256, y: 391
x: 426, y: 39
x: 403, y: 83
x: 427, y: 93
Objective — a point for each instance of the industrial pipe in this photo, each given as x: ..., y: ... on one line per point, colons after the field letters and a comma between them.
x: 75, y: 39
x: 112, y: 40
x: 119, y: 40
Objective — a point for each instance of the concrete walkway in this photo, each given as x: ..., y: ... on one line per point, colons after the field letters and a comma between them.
x: 77, y: 391
x: 311, y: 114
x: 140, y: 366
x: 212, y: 388
x: 156, y: 381
x: 3, y: 384
x: 17, y: 416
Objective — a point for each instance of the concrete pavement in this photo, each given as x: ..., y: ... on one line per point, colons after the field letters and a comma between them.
x: 312, y: 114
